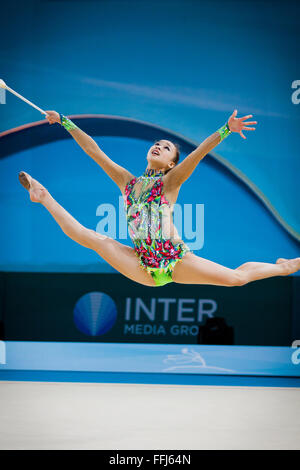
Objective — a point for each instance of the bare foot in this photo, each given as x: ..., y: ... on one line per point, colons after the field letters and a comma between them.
x: 36, y: 190
x: 281, y: 260
x: 290, y: 266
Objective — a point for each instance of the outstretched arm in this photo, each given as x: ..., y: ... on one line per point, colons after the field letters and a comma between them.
x: 116, y: 172
x: 183, y: 170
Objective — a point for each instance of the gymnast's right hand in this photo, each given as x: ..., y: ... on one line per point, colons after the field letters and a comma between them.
x: 52, y: 117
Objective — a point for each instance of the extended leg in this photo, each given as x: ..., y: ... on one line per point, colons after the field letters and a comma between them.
x: 195, y: 270
x: 254, y: 271
x: 119, y: 256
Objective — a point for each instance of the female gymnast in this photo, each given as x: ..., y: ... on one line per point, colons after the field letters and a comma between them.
x: 159, y: 256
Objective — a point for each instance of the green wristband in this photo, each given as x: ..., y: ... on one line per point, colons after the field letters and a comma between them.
x: 224, y: 131
x: 67, y: 123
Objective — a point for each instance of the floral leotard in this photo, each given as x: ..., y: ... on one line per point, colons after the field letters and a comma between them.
x: 149, y: 218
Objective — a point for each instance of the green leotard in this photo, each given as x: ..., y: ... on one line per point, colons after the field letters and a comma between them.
x: 149, y: 218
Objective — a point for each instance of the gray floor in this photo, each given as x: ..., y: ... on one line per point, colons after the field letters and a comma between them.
x: 43, y: 415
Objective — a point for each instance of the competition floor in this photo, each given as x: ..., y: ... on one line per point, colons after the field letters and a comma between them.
x: 148, y: 396
x: 57, y: 415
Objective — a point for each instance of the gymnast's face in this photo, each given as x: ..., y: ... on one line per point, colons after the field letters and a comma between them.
x: 161, y: 155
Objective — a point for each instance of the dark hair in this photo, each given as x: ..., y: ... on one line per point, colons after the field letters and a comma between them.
x: 176, y: 158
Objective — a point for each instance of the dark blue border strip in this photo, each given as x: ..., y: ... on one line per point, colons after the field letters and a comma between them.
x: 148, y: 378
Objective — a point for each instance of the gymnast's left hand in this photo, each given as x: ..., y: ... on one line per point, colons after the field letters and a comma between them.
x: 239, y: 125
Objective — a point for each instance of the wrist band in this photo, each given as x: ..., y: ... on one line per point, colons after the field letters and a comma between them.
x: 67, y: 123
x: 224, y: 131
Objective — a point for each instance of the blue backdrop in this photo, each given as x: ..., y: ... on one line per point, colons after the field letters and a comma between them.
x: 183, y: 66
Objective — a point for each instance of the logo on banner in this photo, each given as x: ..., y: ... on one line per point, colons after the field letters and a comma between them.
x: 166, y: 316
x: 95, y: 313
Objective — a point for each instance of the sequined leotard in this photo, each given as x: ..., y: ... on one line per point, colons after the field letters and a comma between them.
x: 149, y: 218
